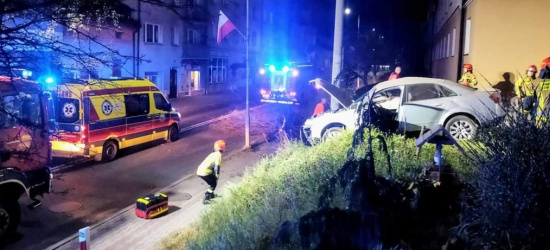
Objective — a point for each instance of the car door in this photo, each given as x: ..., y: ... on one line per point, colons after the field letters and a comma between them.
x: 139, y: 121
x: 387, y: 105
x: 423, y: 105
x: 161, y: 116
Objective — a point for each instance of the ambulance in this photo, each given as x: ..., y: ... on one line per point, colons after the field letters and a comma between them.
x: 97, y: 118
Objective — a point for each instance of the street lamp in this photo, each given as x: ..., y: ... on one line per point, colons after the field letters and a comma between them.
x: 347, y: 11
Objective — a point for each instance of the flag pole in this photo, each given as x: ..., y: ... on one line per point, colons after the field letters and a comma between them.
x: 247, y: 113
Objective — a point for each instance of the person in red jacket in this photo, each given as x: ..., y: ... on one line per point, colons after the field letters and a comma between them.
x: 395, y: 73
x: 320, y: 107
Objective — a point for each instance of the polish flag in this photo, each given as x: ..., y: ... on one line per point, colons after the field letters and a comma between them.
x: 224, y: 27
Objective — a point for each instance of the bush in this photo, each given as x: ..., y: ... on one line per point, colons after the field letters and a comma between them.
x: 288, y: 185
x: 509, y: 202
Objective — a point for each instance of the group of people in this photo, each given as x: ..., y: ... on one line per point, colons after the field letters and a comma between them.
x: 532, y: 92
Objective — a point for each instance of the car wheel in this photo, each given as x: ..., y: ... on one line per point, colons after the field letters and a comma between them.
x: 332, y: 133
x: 461, y: 127
x: 110, y: 150
x: 173, y: 133
x: 9, y: 218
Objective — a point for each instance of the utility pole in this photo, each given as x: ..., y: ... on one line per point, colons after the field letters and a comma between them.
x: 247, y: 113
x: 337, y: 48
x: 357, y: 49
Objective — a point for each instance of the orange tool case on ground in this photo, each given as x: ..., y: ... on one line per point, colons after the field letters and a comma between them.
x: 152, y: 206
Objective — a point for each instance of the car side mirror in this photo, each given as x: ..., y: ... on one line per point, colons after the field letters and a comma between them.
x: 169, y: 107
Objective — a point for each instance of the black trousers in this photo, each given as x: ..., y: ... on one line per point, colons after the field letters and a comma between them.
x: 211, y: 181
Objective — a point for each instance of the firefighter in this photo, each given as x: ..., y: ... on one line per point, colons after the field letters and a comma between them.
x: 543, y: 86
x: 525, y: 89
x: 468, y: 79
x: 209, y: 169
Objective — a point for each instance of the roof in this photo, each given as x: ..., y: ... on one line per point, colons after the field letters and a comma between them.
x: 410, y: 80
x: 75, y: 89
x: 8, y: 85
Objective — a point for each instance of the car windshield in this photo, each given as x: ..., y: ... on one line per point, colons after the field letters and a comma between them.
x: 20, y: 110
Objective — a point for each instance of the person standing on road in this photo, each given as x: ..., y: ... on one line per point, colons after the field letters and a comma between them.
x: 209, y: 169
x: 525, y: 89
x: 468, y: 79
x: 395, y: 74
x: 320, y: 107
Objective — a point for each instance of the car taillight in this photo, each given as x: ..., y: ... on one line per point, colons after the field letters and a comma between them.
x: 83, y: 132
x: 496, y: 97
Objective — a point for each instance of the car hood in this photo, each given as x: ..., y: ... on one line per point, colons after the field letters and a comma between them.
x: 335, y: 92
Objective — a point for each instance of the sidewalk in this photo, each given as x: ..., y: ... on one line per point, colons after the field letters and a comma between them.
x: 126, y: 231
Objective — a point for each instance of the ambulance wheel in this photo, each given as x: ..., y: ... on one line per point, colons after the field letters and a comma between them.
x: 110, y: 150
x: 173, y: 133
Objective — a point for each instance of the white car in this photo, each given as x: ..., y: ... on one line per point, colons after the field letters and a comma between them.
x: 408, y: 104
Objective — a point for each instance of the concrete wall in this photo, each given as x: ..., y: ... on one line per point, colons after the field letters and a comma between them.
x: 507, y: 36
x: 163, y: 55
x: 445, y: 56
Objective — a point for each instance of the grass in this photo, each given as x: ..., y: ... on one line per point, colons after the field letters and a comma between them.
x: 288, y: 185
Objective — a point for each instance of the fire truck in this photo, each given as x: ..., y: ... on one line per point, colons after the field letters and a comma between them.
x: 284, y: 83
x: 24, y: 148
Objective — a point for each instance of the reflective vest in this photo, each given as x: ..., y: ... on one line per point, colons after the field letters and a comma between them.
x: 210, y: 165
x: 468, y: 79
x: 525, y: 87
x: 543, y: 85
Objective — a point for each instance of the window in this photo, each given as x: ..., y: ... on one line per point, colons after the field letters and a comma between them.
x: 68, y: 110
x: 117, y: 68
x: 217, y: 70
x: 160, y: 102
x: 389, y: 99
x: 449, y: 45
x: 118, y: 35
x: 153, y: 33
x: 137, y: 104
x: 153, y: 77
x: 175, y: 36
x: 453, y: 47
x: 467, y: 36
x: 419, y: 92
x: 444, y: 45
x: 22, y: 109
x: 446, y: 92
x: 191, y: 36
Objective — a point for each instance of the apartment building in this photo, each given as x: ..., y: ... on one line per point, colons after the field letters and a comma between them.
x: 499, y: 37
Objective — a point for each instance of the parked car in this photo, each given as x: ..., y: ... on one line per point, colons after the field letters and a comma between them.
x: 408, y: 104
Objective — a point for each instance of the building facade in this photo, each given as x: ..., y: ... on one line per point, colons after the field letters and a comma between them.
x: 207, y: 66
x: 501, y: 38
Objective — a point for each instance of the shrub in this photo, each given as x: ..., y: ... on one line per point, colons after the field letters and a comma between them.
x: 288, y: 185
x: 508, y: 205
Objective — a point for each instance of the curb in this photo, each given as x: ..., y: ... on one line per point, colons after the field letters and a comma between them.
x: 68, y: 239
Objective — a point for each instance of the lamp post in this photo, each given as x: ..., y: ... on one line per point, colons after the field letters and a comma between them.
x: 348, y: 12
x: 337, y: 48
